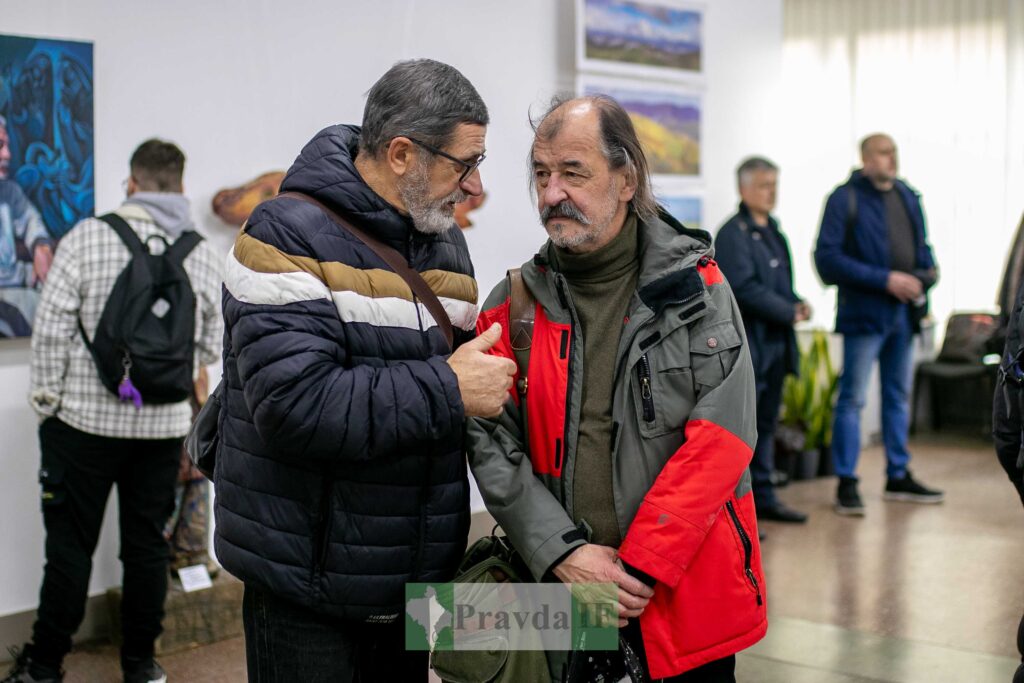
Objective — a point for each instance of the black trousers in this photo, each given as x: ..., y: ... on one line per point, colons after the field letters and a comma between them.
x: 285, y: 642
x: 719, y: 671
x: 77, y: 473
x: 769, y: 381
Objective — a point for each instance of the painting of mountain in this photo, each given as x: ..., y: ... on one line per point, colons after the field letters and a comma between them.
x: 667, y: 120
x: 623, y: 36
x: 687, y: 209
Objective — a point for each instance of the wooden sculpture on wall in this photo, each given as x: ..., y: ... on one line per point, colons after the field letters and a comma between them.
x: 233, y: 205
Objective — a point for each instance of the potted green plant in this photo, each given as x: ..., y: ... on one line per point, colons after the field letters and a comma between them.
x: 808, y: 404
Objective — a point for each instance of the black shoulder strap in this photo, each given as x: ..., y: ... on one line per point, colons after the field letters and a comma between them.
x: 125, y: 232
x: 135, y: 247
x: 849, y: 244
x: 391, y: 257
x: 183, y: 246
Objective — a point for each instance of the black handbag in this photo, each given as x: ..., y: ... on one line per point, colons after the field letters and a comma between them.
x: 203, y: 437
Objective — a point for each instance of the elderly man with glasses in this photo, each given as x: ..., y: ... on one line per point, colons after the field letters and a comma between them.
x: 341, y: 475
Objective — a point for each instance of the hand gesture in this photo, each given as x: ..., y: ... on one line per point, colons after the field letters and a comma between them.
x: 484, y: 380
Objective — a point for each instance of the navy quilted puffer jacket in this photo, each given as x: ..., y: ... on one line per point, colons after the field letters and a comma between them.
x: 341, y: 474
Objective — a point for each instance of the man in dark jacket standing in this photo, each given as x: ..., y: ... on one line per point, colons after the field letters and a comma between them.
x: 341, y: 474
x: 872, y: 244
x: 754, y: 255
x: 630, y: 466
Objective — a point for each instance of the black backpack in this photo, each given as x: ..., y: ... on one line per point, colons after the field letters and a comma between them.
x: 144, y: 347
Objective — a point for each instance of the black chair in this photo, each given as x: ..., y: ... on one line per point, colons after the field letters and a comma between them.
x: 959, y: 383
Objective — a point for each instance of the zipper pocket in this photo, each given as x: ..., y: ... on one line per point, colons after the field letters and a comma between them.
x: 646, y: 396
x: 321, y: 542
x: 748, y: 550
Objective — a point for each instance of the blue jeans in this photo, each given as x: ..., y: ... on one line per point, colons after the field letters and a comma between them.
x: 893, y: 350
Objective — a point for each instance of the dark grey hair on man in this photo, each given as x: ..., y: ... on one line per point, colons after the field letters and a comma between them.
x: 620, y: 145
x: 422, y: 98
x: 752, y: 165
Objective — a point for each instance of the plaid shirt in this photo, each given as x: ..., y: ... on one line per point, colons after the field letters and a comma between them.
x: 64, y: 380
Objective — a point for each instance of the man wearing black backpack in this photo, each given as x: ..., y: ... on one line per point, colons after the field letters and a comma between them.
x: 130, y: 310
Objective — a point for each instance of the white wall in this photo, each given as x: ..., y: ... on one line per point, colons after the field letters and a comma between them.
x: 242, y: 84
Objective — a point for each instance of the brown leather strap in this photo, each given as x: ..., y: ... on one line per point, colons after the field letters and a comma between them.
x: 395, y: 260
x: 521, y: 314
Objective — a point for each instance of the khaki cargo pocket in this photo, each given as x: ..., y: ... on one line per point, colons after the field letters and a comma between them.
x: 713, y: 351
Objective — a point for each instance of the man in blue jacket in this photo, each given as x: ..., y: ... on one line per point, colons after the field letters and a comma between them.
x: 754, y: 255
x: 872, y: 244
x: 341, y: 474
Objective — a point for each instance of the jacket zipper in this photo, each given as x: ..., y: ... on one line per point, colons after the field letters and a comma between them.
x: 643, y: 370
x: 422, y: 495
x: 568, y: 384
x: 321, y: 542
x: 748, y: 550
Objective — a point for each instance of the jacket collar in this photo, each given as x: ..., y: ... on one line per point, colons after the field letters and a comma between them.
x: 325, y: 169
x: 748, y: 219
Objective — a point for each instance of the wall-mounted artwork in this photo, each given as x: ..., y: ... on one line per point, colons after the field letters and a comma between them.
x: 234, y: 204
x: 46, y: 164
x: 688, y: 209
x: 667, y: 118
x: 661, y: 39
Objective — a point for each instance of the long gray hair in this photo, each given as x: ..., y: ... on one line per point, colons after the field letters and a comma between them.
x: 620, y: 146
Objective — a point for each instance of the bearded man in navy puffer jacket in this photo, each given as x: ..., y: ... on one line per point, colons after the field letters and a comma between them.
x: 341, y: 474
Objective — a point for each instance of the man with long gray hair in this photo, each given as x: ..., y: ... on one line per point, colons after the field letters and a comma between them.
x: 341, y: 474
x: 754, y: 255
x: 622, y: 456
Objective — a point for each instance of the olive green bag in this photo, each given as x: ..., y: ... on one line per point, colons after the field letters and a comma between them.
x: 492, y: 559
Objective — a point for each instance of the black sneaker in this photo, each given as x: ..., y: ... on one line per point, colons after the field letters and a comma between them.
x: 780, y: 513
x: 24, y: 670
x: 910, y: 490
x: 143, y: 671
x: 848, y: 501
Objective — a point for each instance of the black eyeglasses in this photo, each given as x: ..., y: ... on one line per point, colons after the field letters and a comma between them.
x: 467, y: 168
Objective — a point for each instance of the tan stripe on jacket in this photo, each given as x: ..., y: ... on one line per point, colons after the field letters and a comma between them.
x: 339, y: 277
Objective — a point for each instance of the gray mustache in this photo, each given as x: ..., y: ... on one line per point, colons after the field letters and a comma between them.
x: 564, y: 209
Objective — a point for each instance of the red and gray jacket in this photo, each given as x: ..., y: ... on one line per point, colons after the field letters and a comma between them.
x: 683, y: 434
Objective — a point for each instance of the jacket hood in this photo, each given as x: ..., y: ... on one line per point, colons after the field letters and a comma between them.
x: 171, y: 211
x: 325, y: 169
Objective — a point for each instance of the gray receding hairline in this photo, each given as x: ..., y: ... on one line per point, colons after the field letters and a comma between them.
x: 420, y: 97
x: 751, y: 165
x: 617, y: 136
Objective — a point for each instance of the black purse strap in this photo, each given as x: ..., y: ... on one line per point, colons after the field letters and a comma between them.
x: 396, y: 261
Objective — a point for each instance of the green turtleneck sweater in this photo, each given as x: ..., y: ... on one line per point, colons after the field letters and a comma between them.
x: 601, y: 283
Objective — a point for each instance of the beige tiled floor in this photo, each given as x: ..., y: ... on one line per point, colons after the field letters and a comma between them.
x: 915, y: 594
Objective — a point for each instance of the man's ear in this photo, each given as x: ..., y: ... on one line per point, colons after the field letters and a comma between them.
x: 628, y: 187
x: 399, y: 155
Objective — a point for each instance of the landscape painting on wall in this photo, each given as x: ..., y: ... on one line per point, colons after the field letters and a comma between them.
x: 46, y: 164
x: 648, y: 38
x: 667, y: 119
x: 685, y: 208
